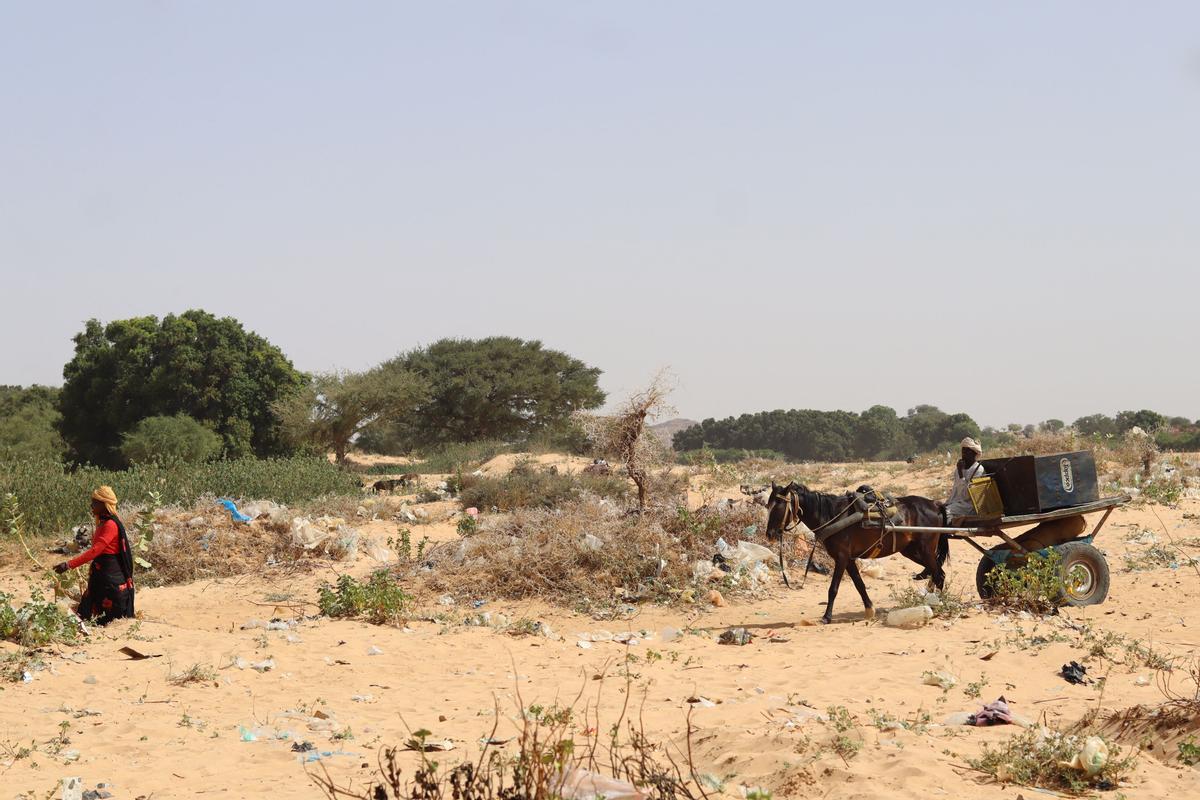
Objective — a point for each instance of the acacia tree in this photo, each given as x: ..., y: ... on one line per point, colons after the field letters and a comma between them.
x: 194, y: 363
x: 500, y: 387
x: 335, y: 408
x: 622, y: 436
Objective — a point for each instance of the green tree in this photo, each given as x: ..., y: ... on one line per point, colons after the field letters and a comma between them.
x: 1096, y: 425
x: 193, y: 363
x: 1053, y: 425
x: 495, y: 388
x: 169, y: 439
x: 28, y: 422
x: 934, y: 429
x: 1147, y: 420
x: 335, y: 408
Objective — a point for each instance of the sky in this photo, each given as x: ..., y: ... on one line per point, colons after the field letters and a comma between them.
x: 990, y: 207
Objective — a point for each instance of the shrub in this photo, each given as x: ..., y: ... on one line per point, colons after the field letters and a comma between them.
x: 560, y: 752
x: 727, y: 455
x: 161, y: 440
x: 529, y: 487
x: 37, y: 623
x: 379, y: 600
x: 1035, y: 586
x: 55, y: 498
x: 547, y: 554
x: 1042, y: 760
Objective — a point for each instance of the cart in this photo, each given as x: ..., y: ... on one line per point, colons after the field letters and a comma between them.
x: 1085, y: 571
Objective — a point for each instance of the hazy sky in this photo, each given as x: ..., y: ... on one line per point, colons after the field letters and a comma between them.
x: 992, y: 207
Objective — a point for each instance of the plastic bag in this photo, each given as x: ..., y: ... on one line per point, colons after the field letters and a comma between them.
x: 582, y: 784
x: 307, y: 535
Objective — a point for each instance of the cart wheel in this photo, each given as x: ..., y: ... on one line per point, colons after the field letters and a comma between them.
x: 1085, y: 574
x: 986, y: 565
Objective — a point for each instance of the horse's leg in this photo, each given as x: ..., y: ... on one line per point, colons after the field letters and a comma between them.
x: 855, y: 576
x: 839, y: 567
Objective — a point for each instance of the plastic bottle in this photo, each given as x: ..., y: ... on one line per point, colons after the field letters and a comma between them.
x: 916, y: 617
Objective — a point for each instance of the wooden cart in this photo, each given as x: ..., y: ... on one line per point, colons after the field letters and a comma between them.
x: 1085, y: 571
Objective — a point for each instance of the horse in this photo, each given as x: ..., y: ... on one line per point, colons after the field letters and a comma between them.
x: 790, y: 505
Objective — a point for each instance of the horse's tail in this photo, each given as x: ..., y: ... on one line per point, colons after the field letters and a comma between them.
x: 943, y: 548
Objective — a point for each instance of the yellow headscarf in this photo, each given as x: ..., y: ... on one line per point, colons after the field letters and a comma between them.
x: 106, y: 495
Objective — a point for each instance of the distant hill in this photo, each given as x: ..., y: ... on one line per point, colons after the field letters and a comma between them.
x: 667, y: 430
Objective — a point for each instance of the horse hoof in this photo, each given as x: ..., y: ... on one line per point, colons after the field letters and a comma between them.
x: 869, y: 614
x: 826, y: 620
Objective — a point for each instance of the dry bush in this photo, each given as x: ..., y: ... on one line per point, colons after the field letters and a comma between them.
x: 561, y: 751
x: 218, y: 547
x: 529, y: 486
x: 622, y: 436
x: 548, y: 554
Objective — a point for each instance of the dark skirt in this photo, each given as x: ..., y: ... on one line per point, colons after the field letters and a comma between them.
x: 109, y: 596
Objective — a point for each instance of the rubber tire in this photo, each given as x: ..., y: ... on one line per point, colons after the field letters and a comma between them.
x: 986, y: 565
x: 1086, y: 557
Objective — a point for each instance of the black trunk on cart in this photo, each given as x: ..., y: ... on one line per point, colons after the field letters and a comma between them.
x: 1035, y: 484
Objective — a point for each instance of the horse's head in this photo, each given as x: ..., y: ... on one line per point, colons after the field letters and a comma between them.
x: 784, y: 511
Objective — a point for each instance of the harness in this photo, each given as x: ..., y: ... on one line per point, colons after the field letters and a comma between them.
x: 870, y: 509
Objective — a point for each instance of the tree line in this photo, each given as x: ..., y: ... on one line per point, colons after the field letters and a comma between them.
x: 193, y: 387
x: 881, y: 433
x: 811, y: 435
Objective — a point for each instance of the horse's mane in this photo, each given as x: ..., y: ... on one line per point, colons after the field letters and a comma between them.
x: 819, y: 507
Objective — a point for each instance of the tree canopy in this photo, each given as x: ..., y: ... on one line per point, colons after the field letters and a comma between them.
x: 28, y: 422
x: 209, y: 368
x: 163, y: 440
x: 335, y: 408
x: 495, y: 388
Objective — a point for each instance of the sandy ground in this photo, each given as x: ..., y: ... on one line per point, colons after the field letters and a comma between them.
x: 131, y: 728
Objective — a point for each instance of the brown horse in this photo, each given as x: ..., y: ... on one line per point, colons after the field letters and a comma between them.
x: 789, y: 505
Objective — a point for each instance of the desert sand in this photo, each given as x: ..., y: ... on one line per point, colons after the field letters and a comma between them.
x: 754, y: 709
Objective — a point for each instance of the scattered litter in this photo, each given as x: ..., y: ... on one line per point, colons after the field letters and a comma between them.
x: 591, y: 542
x: 97, y: 793
x: 303, y: 747
x: 273, y: 625
x: 69, y: 755
x: 939, y: 678
x: 423, y: 746
x: 872, y: 570
x: 374, y: 651
x: 1074, y: 673
x: 584, y: 644
x: 1142, y: 680
x: 492, y: 741
x: 247, y: 734
x: 446, y: 600
x: 702, y: 702
x: 265, y: 665
x: 668, y: 634
x: 1091, y: 758
x: 736, y: 636
x: 582, y: 784
x: 72, y: 789
x: 135, y: 655
x: 994, y: 713
x: 711, y: 782
x: 909, y: 618
x: 363, y: 698
x: 90, y: 680
x: 233, y: 511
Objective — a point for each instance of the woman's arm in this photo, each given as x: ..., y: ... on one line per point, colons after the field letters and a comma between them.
x: 102, y: 542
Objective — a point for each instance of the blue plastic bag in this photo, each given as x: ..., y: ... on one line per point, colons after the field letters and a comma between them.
x: 233, y: 511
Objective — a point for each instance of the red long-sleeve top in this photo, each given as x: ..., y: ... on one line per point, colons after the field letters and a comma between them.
x: 105, y: 541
